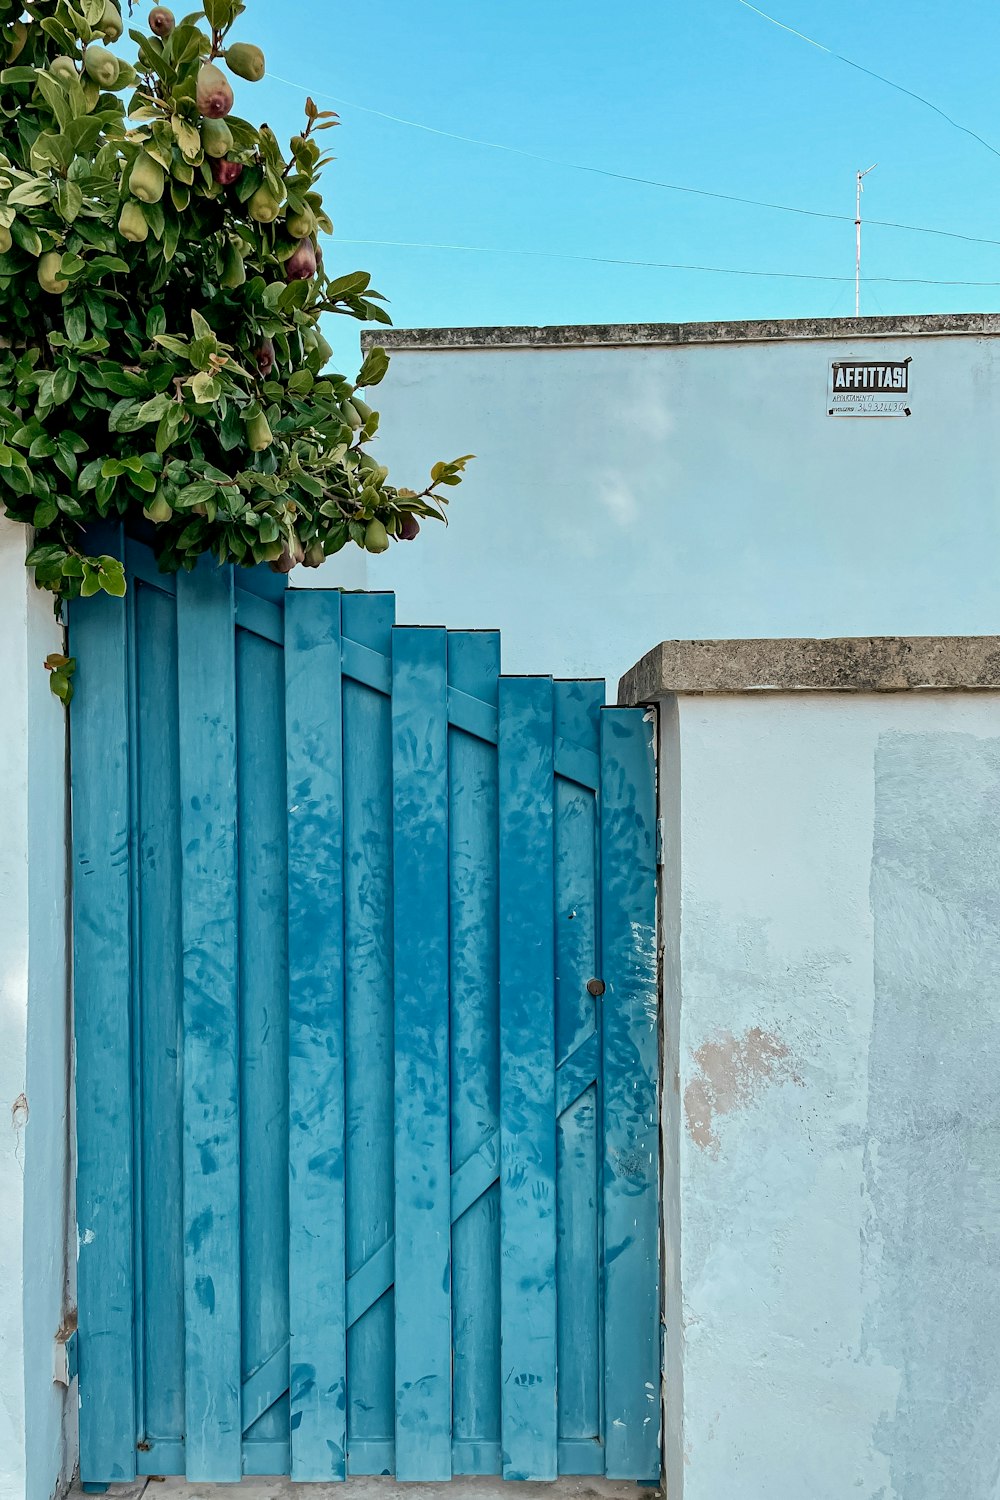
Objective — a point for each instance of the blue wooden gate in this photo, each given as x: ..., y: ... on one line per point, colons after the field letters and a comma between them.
x: 366, y: 1046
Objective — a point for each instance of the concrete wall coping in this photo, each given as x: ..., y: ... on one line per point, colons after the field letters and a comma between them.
x: 862, y: 664
x: 609, y: 335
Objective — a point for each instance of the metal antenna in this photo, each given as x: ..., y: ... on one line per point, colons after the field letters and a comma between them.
x: 857, y: 238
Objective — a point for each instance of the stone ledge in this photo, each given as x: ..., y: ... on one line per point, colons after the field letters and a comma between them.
x: 862, y: 664
x: 746, y: 331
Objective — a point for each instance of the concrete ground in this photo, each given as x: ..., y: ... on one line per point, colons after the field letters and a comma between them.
x: 377, y: 1487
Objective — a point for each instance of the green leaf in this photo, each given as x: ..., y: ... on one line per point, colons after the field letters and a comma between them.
x: 112, y: 576
x: 194, y: 494
x: 301, y: 383
x: 153, y: 410
x: 48, y: 552
x: 62, y: 686
x: 70, y: 200
x: 75, y: 322
x: 376, y: 363
x: 89, y: 475
x: 63, y: 385
x: 220, y: 13
x: 46, y: 512
x: 124, y: 417
x: 356, y: 281
x: 30, y: 194
x: 205, y: 388
x: 26, y: 237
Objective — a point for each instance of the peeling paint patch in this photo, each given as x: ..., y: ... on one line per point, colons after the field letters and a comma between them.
x: 731, y: 1073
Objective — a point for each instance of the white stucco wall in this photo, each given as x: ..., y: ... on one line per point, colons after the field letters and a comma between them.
x: 625, y: 495
x: 36, y: 1442
x: 831, y: 1114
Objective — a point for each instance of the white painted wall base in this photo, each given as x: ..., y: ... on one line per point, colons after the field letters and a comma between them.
x: 36, y: 1442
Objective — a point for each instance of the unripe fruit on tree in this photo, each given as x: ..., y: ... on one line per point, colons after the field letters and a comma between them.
x: 263, y: 206
x: 351, y: 415
x: 161, y: 21
x: 362, y: 408
x: 376, y: 536
x: 132, y: 223
x: 216, y: 137
x: 102, y: 66
x: 6, y: 239
x: 315, y: 555
x: 246, y: 61
x: 259, y: 434
x: 158, y: 509
x: 49, y: 267
x: 301, y: 224
x: 323, y: 349
x: 64, y: 69
x: 146, y: 180
x: 301, y: 264
x: 214, y: 97
x: 234, y: 272
x: 110, y: 24
x: 409, y: 528
x: 226, y: 172
x: 264, y: 355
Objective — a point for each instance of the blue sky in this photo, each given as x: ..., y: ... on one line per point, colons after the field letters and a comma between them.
x: 703, y: 93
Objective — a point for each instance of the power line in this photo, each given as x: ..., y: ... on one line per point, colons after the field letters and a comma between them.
x: 671, y: 187
x: 660, y: 265
x: 880, y: 77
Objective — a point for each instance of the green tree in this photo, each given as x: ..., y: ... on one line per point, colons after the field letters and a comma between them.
x: 161, y: 289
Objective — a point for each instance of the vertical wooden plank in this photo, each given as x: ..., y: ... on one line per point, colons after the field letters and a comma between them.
x: 527, y: 1080
x: 630, y: 1049
x: 578, y: 707
x: 473, y: 668
x: 316, y: 1178
x: 368, y: 1005
x: 102, y: 880
x: 422, y: 1125
x: 206, y: 643
x: 160, y: 1043
x: 262, y: 826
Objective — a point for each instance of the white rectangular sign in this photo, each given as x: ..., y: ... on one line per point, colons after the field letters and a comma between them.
x: 869, y: 388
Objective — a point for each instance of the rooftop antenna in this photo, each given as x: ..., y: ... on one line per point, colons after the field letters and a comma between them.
x: 857, y: 238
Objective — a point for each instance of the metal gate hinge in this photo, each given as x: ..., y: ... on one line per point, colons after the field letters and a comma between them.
x: 65, y: 1362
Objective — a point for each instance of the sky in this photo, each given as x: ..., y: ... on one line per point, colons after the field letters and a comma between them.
x: 702, y: 93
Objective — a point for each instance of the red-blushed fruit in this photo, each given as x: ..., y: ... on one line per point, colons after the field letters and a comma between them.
x: 214, y: 96
x: 409, y: 528
x: 301, y: 264
x: 264, y: 355
x: 161, y: 21
x: 290, y: 557
x: 225, y: 171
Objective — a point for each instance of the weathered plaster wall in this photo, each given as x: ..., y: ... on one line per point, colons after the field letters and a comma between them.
x: 832, y: 982
x: 629, y: 494
x: 35, y: 1415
